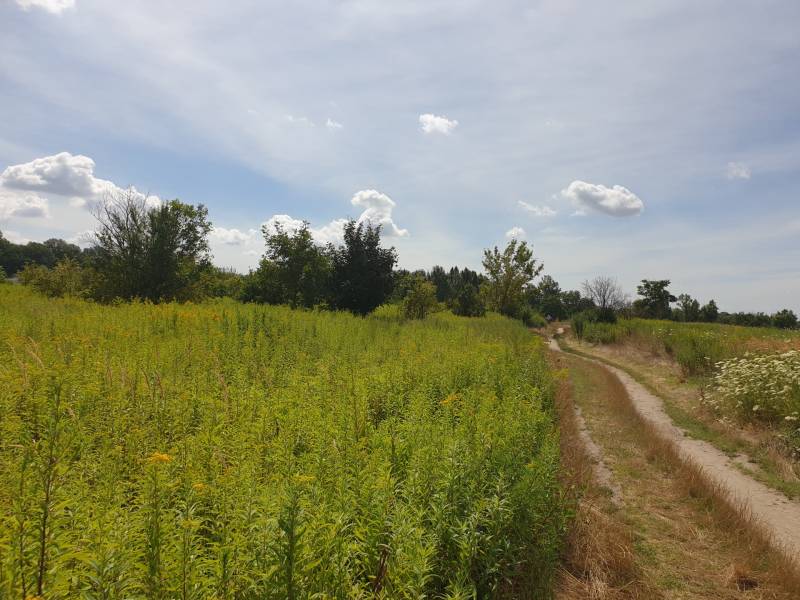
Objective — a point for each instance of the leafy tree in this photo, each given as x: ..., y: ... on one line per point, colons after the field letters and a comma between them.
x: 219, y: 282
x: 709, y: 313
x: 362, y: 276
x: 606, y: 295
x: 572, y: 303
x: 294, y: 270
x: 154, y: 253
x: 655, y: 299
x: 467, y: 302
x: 689, y: 308
x: 785, y: 319
x: 509, y: 273
x: 421, y: 299
x: 442, y: 281
x: 547, y: 299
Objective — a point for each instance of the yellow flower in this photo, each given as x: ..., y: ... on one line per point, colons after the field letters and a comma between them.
x: 159, y: 457
x: 303, y: 478
x: 199, y: 487
x: 450, y: 399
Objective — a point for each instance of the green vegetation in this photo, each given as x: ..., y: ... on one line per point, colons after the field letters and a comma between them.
x: 246, y: 451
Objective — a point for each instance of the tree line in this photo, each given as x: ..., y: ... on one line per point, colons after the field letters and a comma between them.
x: 161, y: 253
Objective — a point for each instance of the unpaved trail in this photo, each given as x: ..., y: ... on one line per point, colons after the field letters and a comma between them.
x: 779, y: 516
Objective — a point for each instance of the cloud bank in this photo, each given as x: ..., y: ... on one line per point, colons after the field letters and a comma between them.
x: 26, y: 206
x: 616, y: 201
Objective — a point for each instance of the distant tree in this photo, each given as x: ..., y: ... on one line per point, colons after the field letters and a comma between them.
x: 709, y: 313
x: 219, y: 282
x: 573, y: 303
x: 467, y: 302
x: 689, y: 308
x: 294, y: 270
x: 442, y: 282
x: 509, y: 273
x: 655, y: 299
x: 546, y: 298
x: 61, y: 250
x: 420, y: 300
x: 362, y: 276
x: 2, y: 275
x: 785, y: 319
x: 154, y: 253
x: 606, y: 295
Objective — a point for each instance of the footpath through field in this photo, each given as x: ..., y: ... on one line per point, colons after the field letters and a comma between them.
x: 777, y: 515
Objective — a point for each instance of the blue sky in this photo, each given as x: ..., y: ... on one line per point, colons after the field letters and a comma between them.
x: 636, y: 139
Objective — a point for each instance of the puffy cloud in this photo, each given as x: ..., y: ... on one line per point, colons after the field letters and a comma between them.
x: 22, y: 205
x: 232, y: 237
x: 68, y: 175
x: 52, y: 6
x: 515, y: 233
x: 435, y: 124
x: 378, y: 209
x: 333, y: 125
x: 616, y: 201
x: 538, y: 211
x: 737, y: 170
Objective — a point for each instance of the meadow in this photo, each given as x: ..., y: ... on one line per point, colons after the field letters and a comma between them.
x: 224, y: 450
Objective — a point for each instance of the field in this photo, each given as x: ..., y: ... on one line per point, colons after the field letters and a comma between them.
x: 749, y: 374
x: 223, y: 450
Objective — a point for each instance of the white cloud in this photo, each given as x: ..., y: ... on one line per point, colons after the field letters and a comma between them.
x: 378, y: 209
x: 52, y: 6
x: 232, y: 237
x: 616, y: 201
x: 538, y: 211
x: 515, y: 233
x: 737, y: 170
x: 67, y: 175
x: 333, y: 125
x: 435, y: 124
x: 22, y: 205
x: 302, y: 121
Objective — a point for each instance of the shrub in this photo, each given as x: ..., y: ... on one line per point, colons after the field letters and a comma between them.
x: 67, y: 278
x: 2, y: 275
x: 420, y: 300
x: 468, y: 302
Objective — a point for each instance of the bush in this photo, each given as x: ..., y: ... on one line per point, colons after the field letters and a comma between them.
x: 420, y: 300
x: 2, y: 275
x: 67, y: 278
x: 468, y: 302
x: 531, y: 317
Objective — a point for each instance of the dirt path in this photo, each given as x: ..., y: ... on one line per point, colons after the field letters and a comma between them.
x: 778, y: 516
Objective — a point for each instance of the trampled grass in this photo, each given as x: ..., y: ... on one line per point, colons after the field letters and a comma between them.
x: 224, y: 450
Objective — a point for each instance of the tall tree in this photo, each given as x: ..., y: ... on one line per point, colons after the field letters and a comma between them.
x: 655, y: 298
x: 709, y: 313
x: 362, y: 277
x: 294, y: 270
x: 508, y: 274
x: 607, y: 296
x: 689, y: 308
x: 150, y: 252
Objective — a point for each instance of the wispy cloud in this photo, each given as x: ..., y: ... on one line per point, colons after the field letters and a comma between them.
x: 436, y: 124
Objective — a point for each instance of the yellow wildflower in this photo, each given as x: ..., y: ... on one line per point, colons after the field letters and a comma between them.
x: 159, y: 457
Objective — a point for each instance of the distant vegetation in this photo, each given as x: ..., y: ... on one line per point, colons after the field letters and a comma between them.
x: 224, y: 450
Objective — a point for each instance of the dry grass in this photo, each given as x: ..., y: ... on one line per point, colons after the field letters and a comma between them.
x: 703, y: 545
x: 598, y: 561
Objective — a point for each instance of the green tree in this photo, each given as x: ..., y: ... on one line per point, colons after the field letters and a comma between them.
x: 420, y: 300
x: 785, y: 319
x: 709, y: 313
x: 2, y: 275
x: 154, y: 253
x: 467, y: 302
x: 294, y: 270
x: 546, y: 298
x: 689, y: 308
x: 655, y: 298
x: 508, y: 274
x: 362, y: 276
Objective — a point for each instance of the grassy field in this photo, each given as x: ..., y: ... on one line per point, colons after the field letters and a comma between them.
x: 748, y: 374
x: 697, y: 347
x: 226, y: 451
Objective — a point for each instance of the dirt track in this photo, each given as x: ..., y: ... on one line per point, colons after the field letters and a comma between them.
x: 778, y: 516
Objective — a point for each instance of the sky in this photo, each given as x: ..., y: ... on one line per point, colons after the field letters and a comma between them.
x: 656, y: 140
